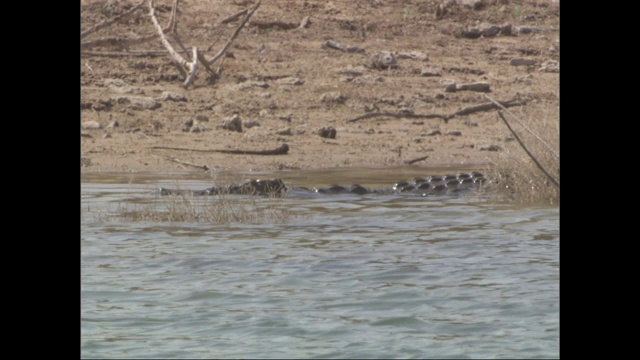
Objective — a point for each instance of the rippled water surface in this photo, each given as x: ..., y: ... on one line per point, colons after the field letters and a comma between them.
x: 347, y: 277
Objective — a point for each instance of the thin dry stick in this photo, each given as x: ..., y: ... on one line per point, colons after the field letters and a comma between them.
x: 556, y: 183
x: 168, y: 158
x: 464, y: 111
x: 401, y: 115
x: 234, y: 16
x: 235, y: 34
x: 111, y: 21
x: 416, y: 160
x: 128, y: 53
x: 557, y: 156
x: 283, y: 149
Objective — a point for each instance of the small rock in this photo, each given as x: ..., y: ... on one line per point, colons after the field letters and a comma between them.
x: 198, y: 127
x: 172, y: 96
x: 431, y: 133
x: 522, y: 61
x: 333, y: 98
x: 476, y: 86
x: 138, y: 102
x: 414, y: 55
x: 290, y: 81
x: 202, y: 118
x: 327, y: 132
x: 351, y: 71
x: 525, y: 79
x: 112, y: 125
x: 430, y: 72
x: 251, y: 123
x: 187, y: 123
x: 84, y: 162
x: 121, y: 87
x: 550, y: 66
x: 490, y: 148
x: 91, y: 125
x: 234, y: 123
x: 383, y: 60
x: 470, y: 123
x: 250, y: 84
x: 454, y: 133
x: 285, y: 131
x: 85, y: 135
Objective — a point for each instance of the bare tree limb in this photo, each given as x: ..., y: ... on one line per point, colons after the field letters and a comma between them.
x: 108, y: 22
x: 554, y: 181
x: 555, y: 154
x: 163, y: 39
x: 235, y: 34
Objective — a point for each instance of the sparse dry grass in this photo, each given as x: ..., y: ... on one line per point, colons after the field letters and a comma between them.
x: 221, y: 208
x: 515, y: 177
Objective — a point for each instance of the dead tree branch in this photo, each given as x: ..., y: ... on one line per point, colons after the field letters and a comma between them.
x: 544, y: 171
x: 114, y: 20
x: 191, y: 66
x: 555, y: 153
x: 400, y: 115
x: 282, y: 150
x: 234, y: 35
x: 488, y: 106
x: 464, y: 111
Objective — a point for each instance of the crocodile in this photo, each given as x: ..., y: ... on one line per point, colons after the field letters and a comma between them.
x: 430, y: 185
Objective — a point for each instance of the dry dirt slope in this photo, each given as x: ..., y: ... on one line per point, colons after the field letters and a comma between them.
x: 285, y: 80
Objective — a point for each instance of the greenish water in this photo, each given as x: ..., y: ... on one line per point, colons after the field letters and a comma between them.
x: 350, y: 277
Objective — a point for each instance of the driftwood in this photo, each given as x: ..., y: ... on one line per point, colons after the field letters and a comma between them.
x: 464, y: 111
x: 168, y: 158
x: 282, y: 150
x: 409, y: 162
x: 544, y: 171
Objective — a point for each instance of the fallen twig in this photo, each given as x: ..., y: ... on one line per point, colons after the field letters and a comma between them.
x: 401, y: 115
x: 555, y: 154
x: 464, y: 111
x: 409, y: 162
x: 554, y: 181
x: 168, y: 158
x: 234, y: 16
x: 282, y: 150
x: 489, y: 106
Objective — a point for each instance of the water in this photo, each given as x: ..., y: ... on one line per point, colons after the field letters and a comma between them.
x: 349, y: 277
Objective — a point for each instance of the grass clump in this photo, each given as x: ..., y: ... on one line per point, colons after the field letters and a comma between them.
x: 516, y: 177
x: 220, y: 208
